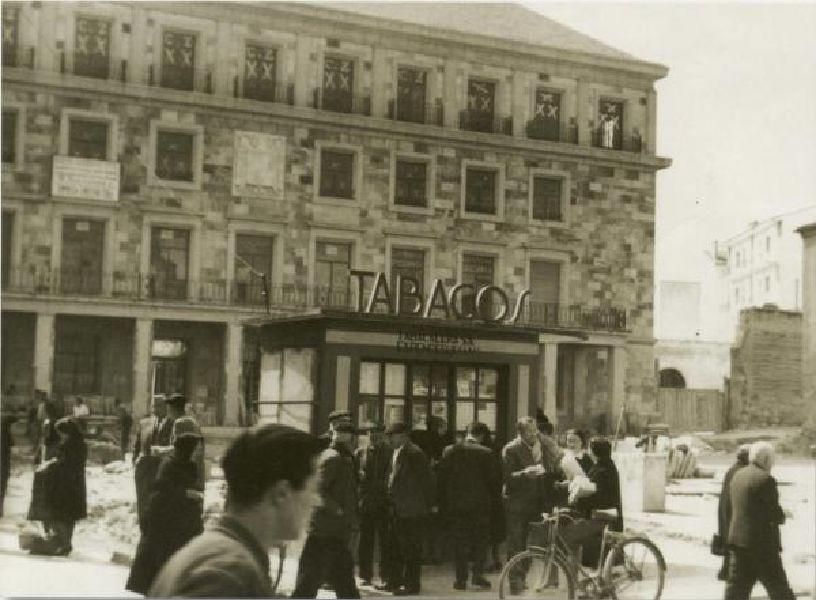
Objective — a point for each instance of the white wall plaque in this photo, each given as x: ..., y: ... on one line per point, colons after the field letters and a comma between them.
x: 85, y: 178
x: 258, y: 168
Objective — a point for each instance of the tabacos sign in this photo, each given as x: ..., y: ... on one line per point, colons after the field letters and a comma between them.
x: 491, y: 303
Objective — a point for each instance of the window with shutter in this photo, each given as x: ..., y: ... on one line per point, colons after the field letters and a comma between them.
x: 11, y: 17
x: 337, y: 174
x: 88, y: 138
x: 610, y: 129
x: 178, y: 60
x: 478, y: 270
x: 333, y: 273
x: 481, y: 105
x: 92, y: 47
x: 338, y: 83
x: 81, y: 260
x: 253, y: 257
x: 547, y: 197
x: 408, y: 262
x: 480, y: 191
x: 260, y: 72
x: 411, y: 90
x: 169, y: 262
x: 545, y: 290
x: 411, y: 183
x: 174, y: 155
x: 547, y: 115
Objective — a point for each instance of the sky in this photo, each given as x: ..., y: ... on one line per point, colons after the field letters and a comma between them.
x: 736, y: 113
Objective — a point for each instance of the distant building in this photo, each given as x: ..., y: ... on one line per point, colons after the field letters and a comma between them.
x: 758, y: 266
x: 808, y: 233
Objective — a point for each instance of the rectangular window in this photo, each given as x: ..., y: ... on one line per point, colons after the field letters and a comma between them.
x: 76, y: 363
x: 476, y: 393
x: 545, y: 290
x: 411, y: 183
x: 178, y: 60
x: 547, y: 194
x: 11, y: 18
x: 480, y: 191
x: 382, y: 394
x: 174, y: 155
x: 411, y: 93
x: 408, y: 262
x: 83, y: 243
x: 92, y: 47
x: 253, y: 260
x: 337, y: 174
x: 332, y: 274
x: 260, y: 72
x: 169, y: 262
x: 610, y: 125
x: 8, y: 233
x: 9, y: 126
x: 478, y: 270
x: 286, y: 394
x: 169, y: 362
x: 481, y: 105
x: 338, y: 84
x: 546, y: 116
x: 88, y: 138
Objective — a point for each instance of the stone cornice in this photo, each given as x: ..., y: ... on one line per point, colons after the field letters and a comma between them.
x: 39, y: 81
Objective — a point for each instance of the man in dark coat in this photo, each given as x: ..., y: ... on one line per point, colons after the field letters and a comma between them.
x: 753, y: 533
x: 373, y: 463
x: 411, y: 497
x: 271, y: 491
x: 335, y: 417
x: 724, y: 506
x: 526, y: 461
x: 326, y: 557
x: 146, y: 463
x: 468, y: 483
x: 6, y: 421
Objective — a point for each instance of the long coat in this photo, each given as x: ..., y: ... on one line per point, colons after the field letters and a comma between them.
x: 171, y: 520
x: 59, y: 492
x: 337, y: 516
x: 523, y: 494
x: 410, y: 483
x: 373, y: 464
x: 604, y: 474
x: 469, y: 480
x: 755, y: 511
x: 724, y: 503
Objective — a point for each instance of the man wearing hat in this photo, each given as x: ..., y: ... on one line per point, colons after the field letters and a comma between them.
x: 163, y: 443
x: 145, y: 462
x: 411, y: 496
x: 326, y: 557
x: 335, y: 417
x: 373, y: 463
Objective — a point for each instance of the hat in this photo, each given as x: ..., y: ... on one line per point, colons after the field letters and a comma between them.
x: 395, y: 428
x: 345, y: 427
x: 176, y: 399
x: 339, y: 415
x: 186, y: 427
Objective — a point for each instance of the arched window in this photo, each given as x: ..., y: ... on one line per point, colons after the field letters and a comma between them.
x: 672, y: 378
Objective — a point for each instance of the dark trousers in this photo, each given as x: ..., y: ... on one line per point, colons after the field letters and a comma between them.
x: 325, y: 560
x: 375, y: 525
x: 408, y: 555
x: 124, y: 440
x: 470, y: 532
x: 518, y: 526
x: 747, y: 566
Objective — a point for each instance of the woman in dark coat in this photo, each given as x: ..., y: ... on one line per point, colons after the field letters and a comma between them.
x: 174, y: 512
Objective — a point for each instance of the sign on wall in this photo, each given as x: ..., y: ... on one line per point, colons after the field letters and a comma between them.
x: 85, y: 178
x: 259, y: 163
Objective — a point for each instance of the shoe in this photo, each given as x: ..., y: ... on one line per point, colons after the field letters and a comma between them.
x: 480, y: 582
x: 404, y: 591
x: 460, y: 585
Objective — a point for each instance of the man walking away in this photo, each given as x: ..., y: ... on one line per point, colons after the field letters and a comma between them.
x: 326, y: 557
x: 724, y: 508
x: 373, y: 463
x: 469, y: 481
x: 411, y: 495
x: 753, y: 532
x: 271, y: 490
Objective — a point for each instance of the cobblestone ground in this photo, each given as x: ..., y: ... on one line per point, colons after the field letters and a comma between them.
x: 682, y: 532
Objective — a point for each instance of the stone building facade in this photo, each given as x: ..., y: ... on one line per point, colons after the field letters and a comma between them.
x: 808, y: 233
x: 173, y: 172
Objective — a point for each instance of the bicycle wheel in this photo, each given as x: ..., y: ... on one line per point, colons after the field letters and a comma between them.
x: 634, y: 570
x: 533, y: 574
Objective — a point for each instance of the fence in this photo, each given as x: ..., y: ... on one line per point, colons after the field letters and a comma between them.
x: 691, y: 410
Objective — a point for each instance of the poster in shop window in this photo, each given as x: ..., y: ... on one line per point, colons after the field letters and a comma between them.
x: 259, y: 164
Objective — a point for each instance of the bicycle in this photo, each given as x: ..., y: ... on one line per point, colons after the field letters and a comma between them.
x: 553, y: 571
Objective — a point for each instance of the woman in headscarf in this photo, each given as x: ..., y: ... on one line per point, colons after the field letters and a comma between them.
x: 174, y: 512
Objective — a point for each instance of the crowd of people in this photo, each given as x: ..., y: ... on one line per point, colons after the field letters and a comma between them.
x: 396, y: 494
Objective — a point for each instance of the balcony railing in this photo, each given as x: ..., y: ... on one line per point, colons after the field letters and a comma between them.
x: 430, y: 113
x: 22, y: 57
x: 470, y: 120
x: 190, y: 80
x: 280, y: 93
x: 633, y: 143
x: 348, y: 103
x: 539, y: 129
x: 573, y: 317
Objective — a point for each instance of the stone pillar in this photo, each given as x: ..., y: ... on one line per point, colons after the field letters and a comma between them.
x: 303, y: 71
x: 233, y: 398
x: 139, y: 41
x: 584, y: 115
x: 223, y: 72
x: 617, y: 386
x: 651, y: 122
x: 581, y: 405
x: 44, y: 353
x: 454, y: 72
x: 47, y: 55
x: 550, y: 370
x: 520, y: 103
x: 142, y: 376
x: 380, y: 75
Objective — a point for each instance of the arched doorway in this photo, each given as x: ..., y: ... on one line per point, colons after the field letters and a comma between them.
x: 672, y: 378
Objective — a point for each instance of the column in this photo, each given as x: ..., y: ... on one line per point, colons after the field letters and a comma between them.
x: 233, y: 398
x: 520, y: 103
x: 584, y: 131
x: 44, y: 353
x: 550, y: 368
x: 450, y: 99
x: 651, y: 122
x: 222, y: 63
x: 139, y: 41
x: 47, y: 55
x: 304, y: 71
x: 579, y: 394
x: 617, y: 387
x: 142, y: 376
x: 379, y: 77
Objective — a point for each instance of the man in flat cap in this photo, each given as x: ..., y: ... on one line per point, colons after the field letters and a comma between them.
x: 335, y: 417
x: 373, y: 463
x: 411, y: 496
x: 326, y: 557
